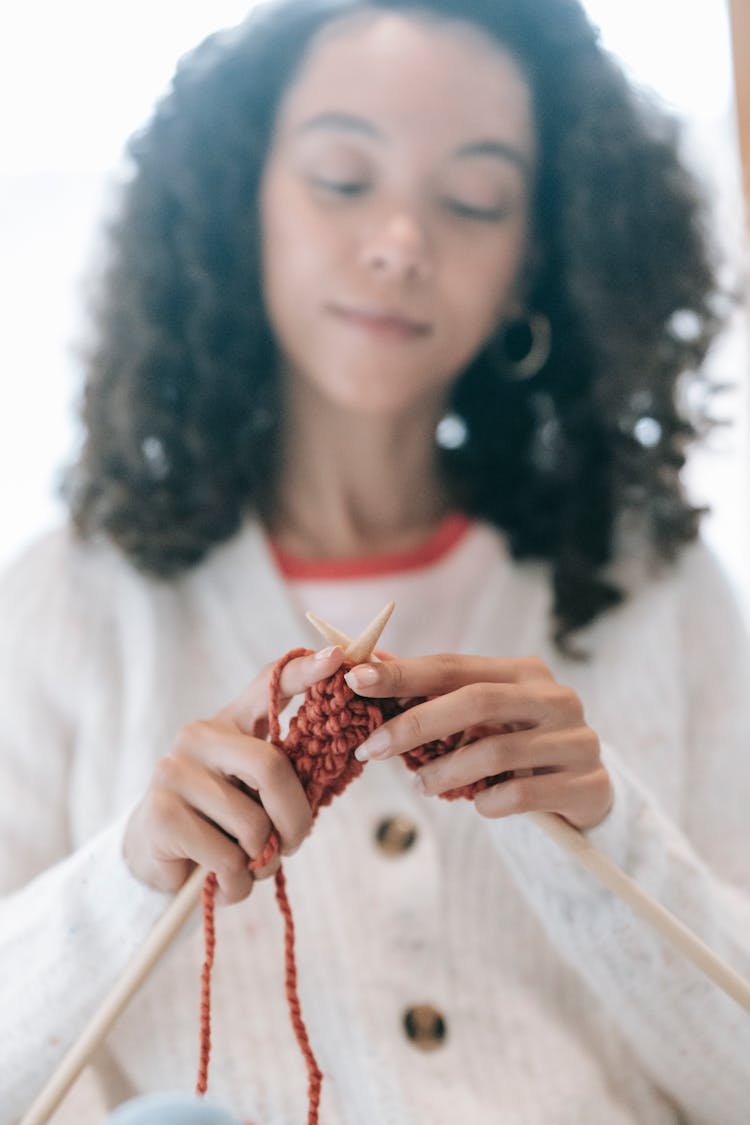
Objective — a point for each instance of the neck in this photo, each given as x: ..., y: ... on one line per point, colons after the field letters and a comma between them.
x: 352, y: 485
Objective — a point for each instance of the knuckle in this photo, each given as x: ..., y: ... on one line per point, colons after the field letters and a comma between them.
x: 498, y: 757
x: 236, y: 890
x: 293, y: 842
x: 189, y: 736
x: 166, y: 772
x: 591, y: 745
x: 601, y: 779
x: 448, y: 664
x: 272, y: 766
x: 253, y: 832
x: 392, y: 675
x: 250, y: 841
x: 233, y: 867
x: 572, y: 705
x: 563, y: 700
x: 533, y: 668
x: 579, y: 748
x: 519, y: 795
x: 475, y: 698
x: 166, y: 810
x: 298, y: 835
x: 410, y: 728
x: 598, y: 781
x: 549, y: 695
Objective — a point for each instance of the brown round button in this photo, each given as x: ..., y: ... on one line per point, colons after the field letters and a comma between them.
x: 396, y: 834
x: 425, y: 1026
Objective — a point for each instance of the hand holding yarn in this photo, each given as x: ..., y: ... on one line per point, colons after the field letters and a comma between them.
x: 224, y: 797
x: 525, y: 747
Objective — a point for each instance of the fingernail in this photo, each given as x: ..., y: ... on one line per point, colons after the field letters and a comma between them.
x: 364, y: 675
x: 375, y: 746
x: 326, y: 652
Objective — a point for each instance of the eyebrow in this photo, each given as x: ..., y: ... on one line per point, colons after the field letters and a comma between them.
x: 351, y: 123
x: 347, y: 122
x: 500, y: 149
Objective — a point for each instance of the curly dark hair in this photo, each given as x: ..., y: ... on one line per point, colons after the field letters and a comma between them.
x: 181, y: 400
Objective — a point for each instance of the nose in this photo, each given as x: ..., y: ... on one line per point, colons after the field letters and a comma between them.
x: 398, y: 250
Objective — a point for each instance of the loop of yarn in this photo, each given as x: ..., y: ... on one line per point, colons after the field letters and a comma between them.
x: 330, y: 724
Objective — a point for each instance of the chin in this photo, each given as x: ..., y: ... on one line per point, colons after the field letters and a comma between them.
x: 379, y: 391
x: 376, y: 403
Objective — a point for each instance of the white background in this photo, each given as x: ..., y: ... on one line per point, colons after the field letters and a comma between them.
x: 77, y: 78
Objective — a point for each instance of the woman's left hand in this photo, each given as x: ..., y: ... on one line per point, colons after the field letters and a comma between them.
x: 515, y: 716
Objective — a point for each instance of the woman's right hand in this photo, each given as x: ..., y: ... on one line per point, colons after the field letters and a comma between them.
x: 195, y: 810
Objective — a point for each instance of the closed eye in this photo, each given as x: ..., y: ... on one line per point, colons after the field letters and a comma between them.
x: 480, y: 214
x: 349, y: 188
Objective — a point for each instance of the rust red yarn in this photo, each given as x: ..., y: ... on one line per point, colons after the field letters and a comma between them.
x: 330, y: 724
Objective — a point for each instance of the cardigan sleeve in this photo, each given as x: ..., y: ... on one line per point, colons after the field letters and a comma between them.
x: 692, y: 1039
x: 69, y: 920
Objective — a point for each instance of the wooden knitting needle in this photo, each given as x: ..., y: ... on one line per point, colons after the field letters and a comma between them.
x: 663, y: 921
x: 158, y: 941
x: 359, y: 650
x: 329, y: 633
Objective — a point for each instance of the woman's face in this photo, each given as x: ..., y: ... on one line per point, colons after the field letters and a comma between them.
x: 395, y: 208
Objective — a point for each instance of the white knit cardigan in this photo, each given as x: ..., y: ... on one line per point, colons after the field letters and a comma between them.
x: 561, y: 1007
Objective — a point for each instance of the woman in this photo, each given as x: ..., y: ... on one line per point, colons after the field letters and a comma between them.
x: 348, y: 226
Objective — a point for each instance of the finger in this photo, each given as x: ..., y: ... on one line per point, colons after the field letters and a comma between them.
x: 261, y: 766
x: 220, y: 802
x: 498, y: 754
x: 443, y: 672
x: 384, y: 654
x: 446, y: 715
x: 250, y: 709
x: 583, y: 800
x: 300, y: 674
x: 187, y: 836
x: 539, y: 793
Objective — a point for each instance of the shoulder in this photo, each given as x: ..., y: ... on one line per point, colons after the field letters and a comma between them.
x: 62, y: 581
x: 61, y: 607
x: 713, y: 620
x: 700, y: 571
x: 695, y: 571
x: 699, y: 584
x: 59, y: 574
x: 670, y: 607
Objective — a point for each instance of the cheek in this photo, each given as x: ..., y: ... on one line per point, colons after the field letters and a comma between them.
x: 285, y: 248
x: 481, y: 295
x: 289, y: 267
x: 477, y: 293
x: 304, y: 262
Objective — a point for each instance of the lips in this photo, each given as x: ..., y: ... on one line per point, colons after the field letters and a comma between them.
x: 382, y: 321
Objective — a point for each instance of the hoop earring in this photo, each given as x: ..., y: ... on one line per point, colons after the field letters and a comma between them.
x: 527, y: 343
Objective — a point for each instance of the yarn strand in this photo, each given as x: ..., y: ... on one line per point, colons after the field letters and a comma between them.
x: 209, y: 941
x: 328, y: 727
x: 314, y: 1073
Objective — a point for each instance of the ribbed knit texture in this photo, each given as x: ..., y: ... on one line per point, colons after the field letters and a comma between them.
x: 561, y: 1008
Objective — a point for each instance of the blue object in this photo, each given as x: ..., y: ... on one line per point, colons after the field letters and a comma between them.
x: 170, y: 1109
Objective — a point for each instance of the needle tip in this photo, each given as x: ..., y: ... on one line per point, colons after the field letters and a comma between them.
x: 360, y: 649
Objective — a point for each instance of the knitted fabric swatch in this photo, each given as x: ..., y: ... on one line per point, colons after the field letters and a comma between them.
x: 328, y: 727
